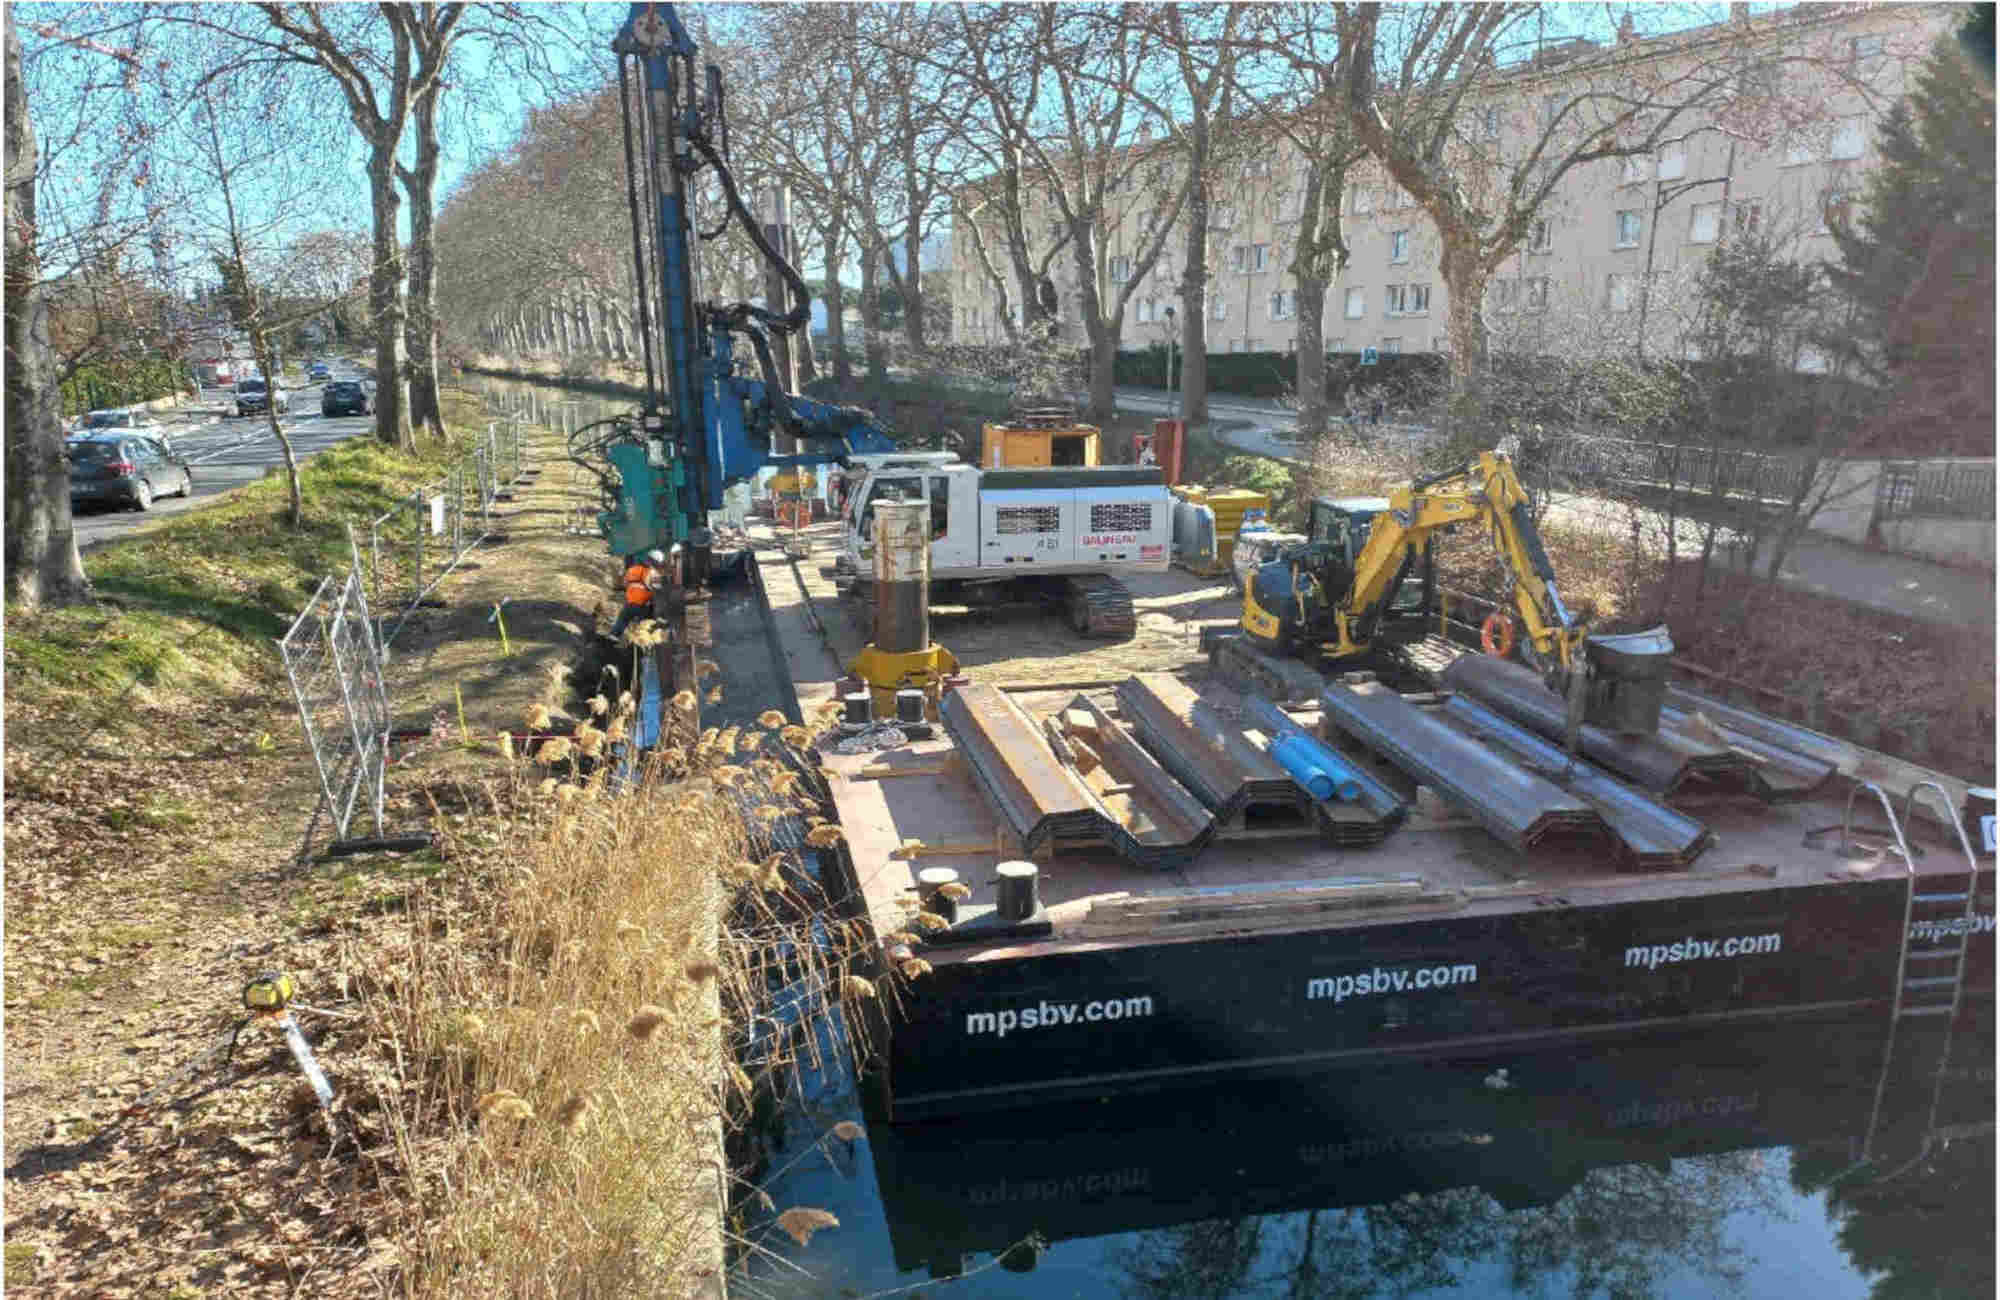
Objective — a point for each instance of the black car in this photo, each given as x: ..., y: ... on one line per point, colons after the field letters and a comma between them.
x: 344, y: 397
x: 124, y: 469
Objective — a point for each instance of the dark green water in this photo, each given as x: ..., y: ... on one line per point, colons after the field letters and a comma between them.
x: 1691, y: 1165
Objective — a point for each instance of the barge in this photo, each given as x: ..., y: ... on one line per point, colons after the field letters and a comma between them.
x: 1285, y: 946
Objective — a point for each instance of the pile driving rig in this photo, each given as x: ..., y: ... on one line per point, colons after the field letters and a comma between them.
x: 704, y: 424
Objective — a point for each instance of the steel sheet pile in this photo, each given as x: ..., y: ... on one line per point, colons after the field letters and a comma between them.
x: 1041, y: 798
x: 1229, y: 772
x: 1662, y: 763
x: 1653, y: 836
x: 1515, y: 806
x: 1166, y: 825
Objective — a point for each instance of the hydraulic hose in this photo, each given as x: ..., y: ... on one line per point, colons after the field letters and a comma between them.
x: 801, y: 312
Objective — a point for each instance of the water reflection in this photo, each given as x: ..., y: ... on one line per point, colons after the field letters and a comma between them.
x: 1685, y: 1165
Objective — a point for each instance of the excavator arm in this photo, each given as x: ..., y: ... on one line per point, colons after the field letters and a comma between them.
x: 1485, y: 491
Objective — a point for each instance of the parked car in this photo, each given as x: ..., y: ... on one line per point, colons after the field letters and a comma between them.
x: 124, y: 469
x: 345, y: 397
x: 253, y: 395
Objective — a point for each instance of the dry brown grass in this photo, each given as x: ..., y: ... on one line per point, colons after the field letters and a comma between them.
x: 559, y: 1018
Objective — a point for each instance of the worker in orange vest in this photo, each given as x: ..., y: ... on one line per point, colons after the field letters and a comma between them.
x: 642, y: 579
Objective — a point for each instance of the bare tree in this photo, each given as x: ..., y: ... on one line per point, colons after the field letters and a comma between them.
x: 43, y: 565
x: 1423, y: 84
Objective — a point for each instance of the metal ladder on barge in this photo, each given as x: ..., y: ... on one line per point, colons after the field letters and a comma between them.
x: 1930, y: 978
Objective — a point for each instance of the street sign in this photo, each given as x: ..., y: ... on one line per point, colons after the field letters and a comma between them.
x: 1368, y: 356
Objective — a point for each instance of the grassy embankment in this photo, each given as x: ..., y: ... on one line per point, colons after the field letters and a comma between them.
x: 525, y: 1021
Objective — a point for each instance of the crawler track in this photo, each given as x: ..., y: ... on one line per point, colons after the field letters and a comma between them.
x: 1100, y: 608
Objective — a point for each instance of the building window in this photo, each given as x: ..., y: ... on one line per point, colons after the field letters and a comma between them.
x: 1239, y: 256
x: 1704, y: 223
x: 1220, y: 311
x: 1360, y: 200
x: 1629, y: 225
x: 1618, y: 291
x: 1673, y: 160
x: 1392, y: 345
x: 1259, y: 255
x: 1849, y: 138
x: 1539, y: 236
x: 1439, y: 343
x: 1393, y: 299
x: 1749, y: 216
x: 1489, y: 122
x: 1142, y: 311
x: 1500, y: 294
x: 1399, y: 246
x: 1637, y: 169
x: 1284, y: 304
x: 1357, y: 304
x: 1865, y: 53
x: 1535, y: 293
x: 1418, y: 300
x: 1239, y: 345
x: 1121, y: 269
x: 1811, y: 361
x: 1222, y: 217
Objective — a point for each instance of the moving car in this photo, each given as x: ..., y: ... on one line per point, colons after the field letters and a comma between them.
x: 345, y: 397
x: 124, y: 468
x: 253, y: 395
x: 120, y: 417
x: 319, y: 372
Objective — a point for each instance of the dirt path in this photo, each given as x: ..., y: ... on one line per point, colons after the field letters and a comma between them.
x: 150, y: 873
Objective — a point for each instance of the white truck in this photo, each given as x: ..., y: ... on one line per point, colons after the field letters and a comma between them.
x: 1006, y: 535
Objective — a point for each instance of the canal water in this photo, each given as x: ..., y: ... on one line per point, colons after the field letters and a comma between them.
x: 1826, y: 1158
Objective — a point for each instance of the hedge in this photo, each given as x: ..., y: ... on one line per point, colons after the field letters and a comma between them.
x: 1276, y: 374
x: 121, y: 383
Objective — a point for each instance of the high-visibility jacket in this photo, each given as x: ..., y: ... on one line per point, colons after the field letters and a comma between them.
x: 637, y: 592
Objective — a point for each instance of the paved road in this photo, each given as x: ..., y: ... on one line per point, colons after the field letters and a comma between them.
x: 226, y: 453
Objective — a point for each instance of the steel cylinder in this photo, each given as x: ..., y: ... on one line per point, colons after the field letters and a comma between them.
x: 902, y: 577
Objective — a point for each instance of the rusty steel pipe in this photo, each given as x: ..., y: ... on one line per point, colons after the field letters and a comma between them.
x: 902, y: 577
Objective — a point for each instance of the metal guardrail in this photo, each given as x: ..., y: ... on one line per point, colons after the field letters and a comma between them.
x: 1708, y: 471
x: 1935, y: 489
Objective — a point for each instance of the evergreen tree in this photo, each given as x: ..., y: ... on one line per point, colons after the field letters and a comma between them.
x: 1917, y: 260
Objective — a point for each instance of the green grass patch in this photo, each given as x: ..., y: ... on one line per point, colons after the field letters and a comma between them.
x: 198, y: 601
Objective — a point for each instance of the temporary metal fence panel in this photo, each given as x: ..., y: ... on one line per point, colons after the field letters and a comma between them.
x: 334, y: 663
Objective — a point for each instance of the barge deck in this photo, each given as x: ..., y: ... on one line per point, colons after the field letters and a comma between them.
x: 1268, y: 953
x: 1294, y: 934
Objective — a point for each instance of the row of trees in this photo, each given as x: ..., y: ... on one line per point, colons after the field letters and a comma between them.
x: 152, y: 146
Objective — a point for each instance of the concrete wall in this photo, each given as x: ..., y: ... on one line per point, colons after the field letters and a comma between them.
x: 1849, y: 515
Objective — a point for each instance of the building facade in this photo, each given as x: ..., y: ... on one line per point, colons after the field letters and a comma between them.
x: 1786, y: 133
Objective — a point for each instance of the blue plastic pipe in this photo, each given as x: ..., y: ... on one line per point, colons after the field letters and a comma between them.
x: 1315, y: 767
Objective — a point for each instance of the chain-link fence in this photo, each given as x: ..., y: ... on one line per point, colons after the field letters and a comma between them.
x: 413, y: 545
x: 334, y: 661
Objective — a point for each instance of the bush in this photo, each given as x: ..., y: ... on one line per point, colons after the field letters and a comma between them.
x: 121, y: 383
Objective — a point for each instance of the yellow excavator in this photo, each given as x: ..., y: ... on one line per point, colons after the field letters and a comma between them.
x: 1365, y: 578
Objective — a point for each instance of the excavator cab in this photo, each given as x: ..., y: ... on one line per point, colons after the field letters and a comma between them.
x: 1289, y: 602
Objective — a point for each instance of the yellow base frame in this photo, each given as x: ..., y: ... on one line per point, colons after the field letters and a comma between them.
x: 887, y: 673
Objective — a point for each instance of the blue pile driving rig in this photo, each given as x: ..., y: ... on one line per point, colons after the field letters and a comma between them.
x: 703, y: 424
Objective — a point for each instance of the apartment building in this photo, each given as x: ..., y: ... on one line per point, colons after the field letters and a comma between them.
x: 1786, y: 135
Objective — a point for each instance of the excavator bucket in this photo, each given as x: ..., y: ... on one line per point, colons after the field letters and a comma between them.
x: 1627, y: 680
